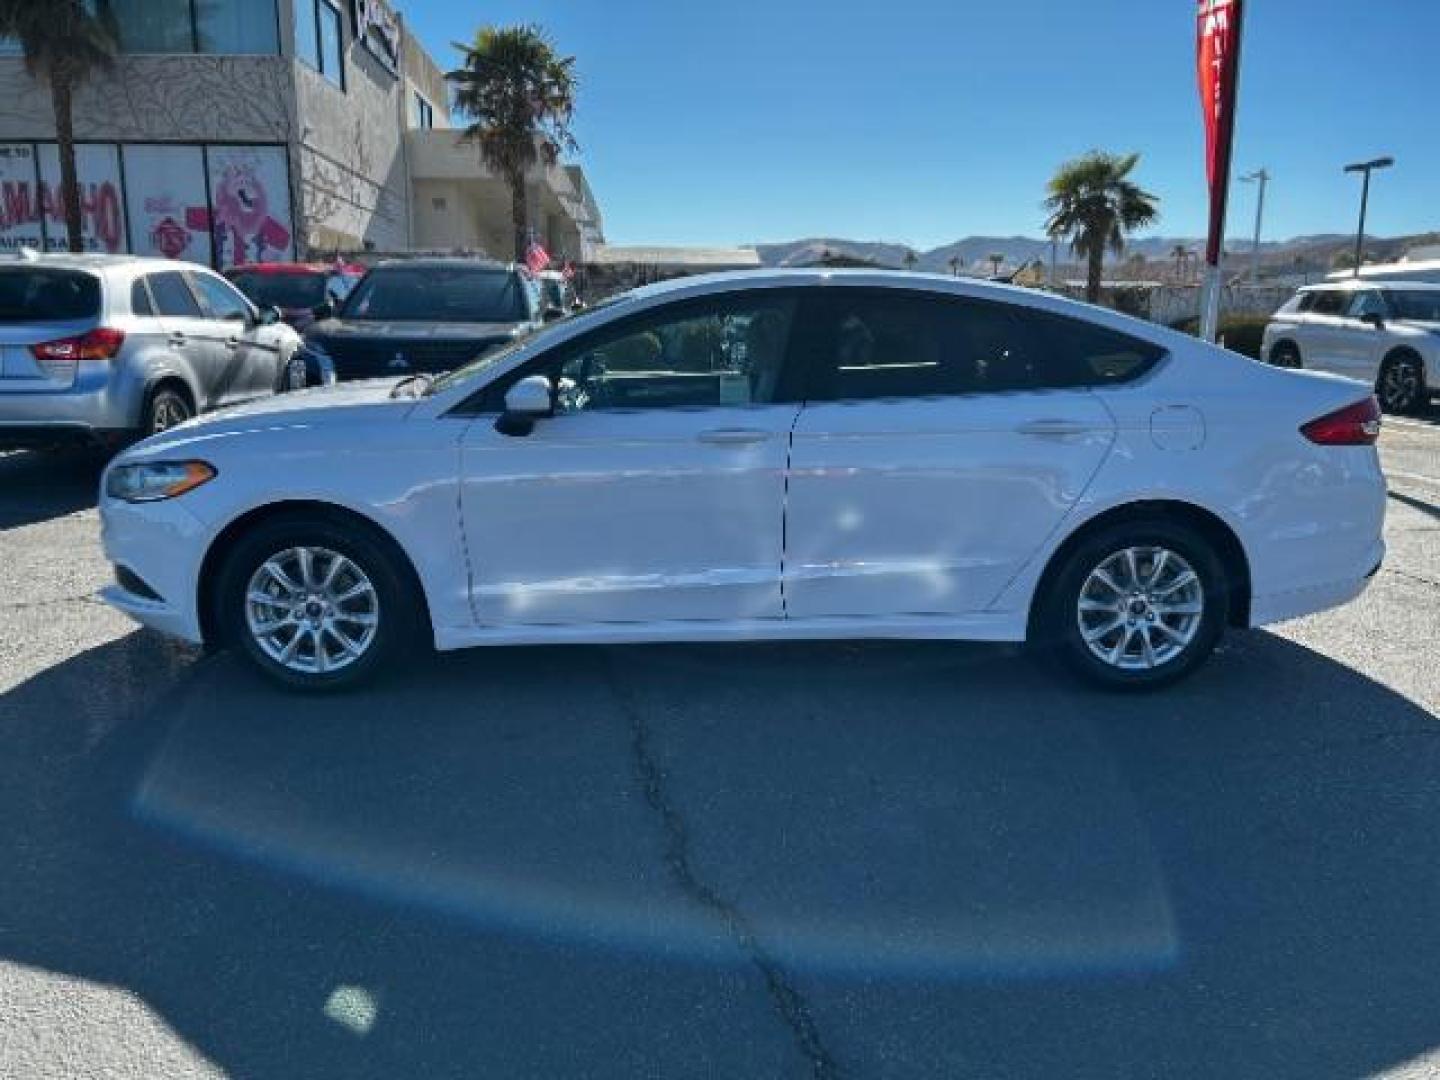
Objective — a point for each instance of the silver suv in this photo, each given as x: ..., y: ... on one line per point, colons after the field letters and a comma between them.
x: 1386, y: 334
x: 102, y: 348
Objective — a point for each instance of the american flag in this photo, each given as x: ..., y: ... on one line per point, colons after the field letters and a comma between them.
x: 536, y: 257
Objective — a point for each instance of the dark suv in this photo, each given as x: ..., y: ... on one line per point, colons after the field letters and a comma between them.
x: 424, y: 315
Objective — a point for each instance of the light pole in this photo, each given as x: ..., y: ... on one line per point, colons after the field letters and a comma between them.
x: 1365, y: 167
x: 1261, y: 177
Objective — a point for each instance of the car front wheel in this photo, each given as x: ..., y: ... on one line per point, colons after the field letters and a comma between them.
x: 1137, y: 606
x: 317, y: 604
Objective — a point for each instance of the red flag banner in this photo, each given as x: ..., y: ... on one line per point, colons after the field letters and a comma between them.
x: 1218, y: 63
x: 536, y: 257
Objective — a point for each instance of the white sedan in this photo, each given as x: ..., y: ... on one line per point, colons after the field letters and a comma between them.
x: 788, y: 454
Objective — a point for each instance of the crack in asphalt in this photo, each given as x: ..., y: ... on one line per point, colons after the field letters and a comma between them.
x: 1419, y: 578
x: 788, y: 1002
x: 79, y: 598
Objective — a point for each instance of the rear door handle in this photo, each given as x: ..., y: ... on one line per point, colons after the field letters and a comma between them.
x: 232, y: 342
x: 733, y: 436
x: 1052, y: 428
x: 177, y: 338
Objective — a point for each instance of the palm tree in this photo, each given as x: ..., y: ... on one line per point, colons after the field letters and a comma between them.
x: 996, y: 260
x: 1093, y: 204
x: 910, y: 260
x: 519, y: 96
x: 1179, y: 254
x: 64, y: 42
x: 955, y: 263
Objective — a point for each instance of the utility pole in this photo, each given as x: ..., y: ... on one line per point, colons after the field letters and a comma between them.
x: 1365, y: 167
x: 1261, y: 177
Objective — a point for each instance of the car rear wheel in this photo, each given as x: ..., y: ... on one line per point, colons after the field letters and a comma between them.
x: 1401, y: 386
x: 317, y: 604
x: 1286, y: 355
x: 1137, y: 606
x: 166, y: 409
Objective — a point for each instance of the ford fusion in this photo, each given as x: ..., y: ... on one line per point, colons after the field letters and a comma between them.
x: 780, y: 454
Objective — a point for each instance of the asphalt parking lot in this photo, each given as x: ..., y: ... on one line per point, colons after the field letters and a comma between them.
x: 866, y: 860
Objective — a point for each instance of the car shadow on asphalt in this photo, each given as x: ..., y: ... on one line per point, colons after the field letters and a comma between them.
x: 38, y: 486
x: 815, y: 859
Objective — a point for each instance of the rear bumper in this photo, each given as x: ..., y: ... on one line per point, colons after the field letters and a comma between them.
x: 97, y: 404
x: 1272, y: 608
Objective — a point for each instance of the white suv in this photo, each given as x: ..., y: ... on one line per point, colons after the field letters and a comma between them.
x: 1384, y: 333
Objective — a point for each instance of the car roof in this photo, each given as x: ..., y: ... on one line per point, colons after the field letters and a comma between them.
x: 279, y: 268
x: 441, y: 262
x: 1369, y: 283
x: 87, y: 261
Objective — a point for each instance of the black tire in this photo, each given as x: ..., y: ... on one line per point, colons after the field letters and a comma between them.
x: 165, y: 408
x: 294, y: 374
x: 1286, y: 354
x: 1400, y: 386
x: 1057, y: 626
x: 400, y: 627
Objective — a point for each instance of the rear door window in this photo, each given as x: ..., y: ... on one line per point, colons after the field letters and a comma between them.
x: 31, y: 294
x: 173, y: 297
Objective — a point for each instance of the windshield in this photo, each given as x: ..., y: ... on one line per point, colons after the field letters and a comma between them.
x: 44, y: 294
x: 541, y: 339
x: 1420, y: 305
x: 456, y: 294
x: 296, y: 289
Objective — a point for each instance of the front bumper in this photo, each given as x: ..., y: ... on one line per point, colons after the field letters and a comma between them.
x: 161, y: 544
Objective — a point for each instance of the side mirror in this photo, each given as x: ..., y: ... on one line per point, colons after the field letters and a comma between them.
x: 269, y: 316
x: 552, y: 312
x: 528, y: 400
x: 1373, y: 318
x: 324, y: 311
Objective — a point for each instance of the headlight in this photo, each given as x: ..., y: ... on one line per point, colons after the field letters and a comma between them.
x: 152, y: 482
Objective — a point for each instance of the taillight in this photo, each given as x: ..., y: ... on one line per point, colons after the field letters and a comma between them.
x: 1354, y: 425
x: 101, y: 343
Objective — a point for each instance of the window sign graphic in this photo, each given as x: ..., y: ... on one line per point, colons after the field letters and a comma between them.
x: 165, y: 196
x: 250, y: 205
x: 102, y: 215
x: 19, y: 200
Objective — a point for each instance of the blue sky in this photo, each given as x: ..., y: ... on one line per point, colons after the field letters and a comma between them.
x: 921, y: 121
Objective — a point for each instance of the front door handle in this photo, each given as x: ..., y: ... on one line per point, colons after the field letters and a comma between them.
x: 177, y: 339
x: 1051, y: 428
x: 232, y: 342
x: 733, y: 436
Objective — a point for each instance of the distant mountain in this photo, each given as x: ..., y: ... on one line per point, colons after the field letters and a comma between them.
x: 1314, y: 251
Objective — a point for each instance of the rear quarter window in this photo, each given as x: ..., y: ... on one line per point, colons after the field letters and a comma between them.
x: 45, y: 294
x: 1077, y: 353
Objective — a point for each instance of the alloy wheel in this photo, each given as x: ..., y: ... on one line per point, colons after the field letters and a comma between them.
x: 312, y: 610
x: 1399, y: 386
x: 1140, y: 608
x: 169, y: 411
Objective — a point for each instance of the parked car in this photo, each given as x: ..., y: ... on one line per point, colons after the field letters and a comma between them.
x: 424, y: 315
x: 102, y: 348
x: 297, y: 289
x: 889, y: 455
x: 1386, y: 334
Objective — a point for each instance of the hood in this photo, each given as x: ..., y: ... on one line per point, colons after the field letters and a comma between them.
x: 366, y: 402
x: 342, y: 330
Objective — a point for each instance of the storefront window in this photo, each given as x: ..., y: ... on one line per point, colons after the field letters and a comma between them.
x: 237, y: 26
